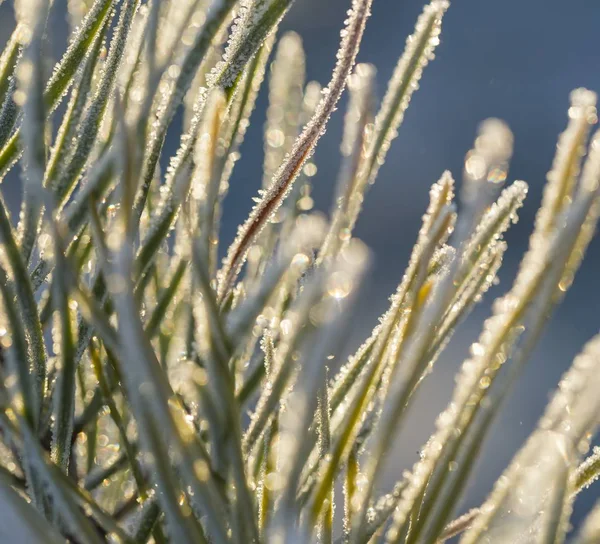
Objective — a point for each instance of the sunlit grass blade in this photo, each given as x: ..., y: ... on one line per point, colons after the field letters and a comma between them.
x: 501, y: 332
x: 337, y: 289
x: 8, y: 60
x: 193, y: 59
x: 215, y: 348
x: 377, y: 351
x: 64, y: 392
x: 351, y: 184
x: 441, y: 195
x: 95, y: 111
x: 419, y: 51
x: 545, y: 470
x: 64, y: 71
x: 325, y: 529
x: 27, y: 305
x: 62, y: 502
x: 302, y: 150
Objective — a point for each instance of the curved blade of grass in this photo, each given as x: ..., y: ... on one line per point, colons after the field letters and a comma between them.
x: 419, y: 51
x: 190, y: 64
x: 64, y: 392
x: 8, y: 60
x: 92, y: 118
x: 336, y: 288
x: 223, y: 386
x: 62, y: 501
x: 63, y: 72
x: 496, y: 346
x: 28, y: 307
x: 303, y: 149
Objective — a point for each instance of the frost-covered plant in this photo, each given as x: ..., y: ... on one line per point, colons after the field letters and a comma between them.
x: 131, y: 359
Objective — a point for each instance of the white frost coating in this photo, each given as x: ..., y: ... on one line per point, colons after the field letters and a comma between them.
x: 441, y: 194
x: 419, y: 50
x: 500, y: 332
x: 250, y: 28
x: 559, y: 190
x: 588, y: 471
x: 92, y: 21
x: 302, y: 150
x: 231, y: 136
x: 530, y: 500
x: 336, y: 287
x: 497, y: 219
x: 565, y: 168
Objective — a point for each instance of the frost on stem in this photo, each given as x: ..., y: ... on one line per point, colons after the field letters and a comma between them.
x: 533, y: 495
x: 91, y: 122
x: 547, y: 260
x: 255, y: 21
x: 419, y: 50
x: 441, y: 195
x: 282, y: 182
x: 567, y: 160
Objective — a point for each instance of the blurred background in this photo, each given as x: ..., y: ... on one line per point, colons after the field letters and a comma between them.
x: 516, y: 60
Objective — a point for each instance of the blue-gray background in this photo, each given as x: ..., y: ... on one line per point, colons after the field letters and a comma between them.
x: 516, y: 60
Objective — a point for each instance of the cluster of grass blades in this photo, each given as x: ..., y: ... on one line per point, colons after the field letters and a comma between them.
x: 131, y: 357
